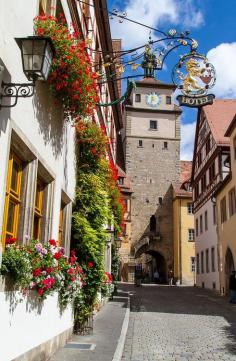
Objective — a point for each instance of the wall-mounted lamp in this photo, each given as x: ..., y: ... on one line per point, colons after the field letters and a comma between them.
x: 37, y: 54
x: 118, y: 242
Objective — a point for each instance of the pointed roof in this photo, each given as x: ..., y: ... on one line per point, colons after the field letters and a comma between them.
x: 219, y: 115
x: 153, y: 82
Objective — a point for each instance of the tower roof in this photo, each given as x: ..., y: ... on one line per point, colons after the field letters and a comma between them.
x: 152, y: 82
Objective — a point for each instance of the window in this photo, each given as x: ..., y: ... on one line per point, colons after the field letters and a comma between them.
x: 223, y: 210
x: 160, y: 200
x: 201, y: 228
x: 213, y: 259
x: 61, y: 225
x: 214, y: 213
x: 196, y: 227
x: 190, y: 208
x: 206, y: 221
x: 138, y: 98
x: 121, y: 180
x: 203, y: 183
x: 13, y: 198
x: 153, y: 224
x: 207, y: 260
x: 153, y: 124
x: 191, y: 234
x: 192, y: 264
x: 234, y: 147
x: 199, y: 159
x: 196, y: 191
x: 198, y: 265
x: 140, y: 143
x: 38, y: 210
x: 168, y: 99
x: 212, y: 172
x: 232, y: 202
x: 208, y: 145
x: 202, y: 262
x: 165, y: 145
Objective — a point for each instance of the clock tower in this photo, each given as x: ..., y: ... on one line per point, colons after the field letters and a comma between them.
x: 151, y: 142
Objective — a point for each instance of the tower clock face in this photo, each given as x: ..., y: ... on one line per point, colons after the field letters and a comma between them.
x: 153, y: 99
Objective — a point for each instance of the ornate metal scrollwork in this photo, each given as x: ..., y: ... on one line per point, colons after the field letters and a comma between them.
x: 15, y: 91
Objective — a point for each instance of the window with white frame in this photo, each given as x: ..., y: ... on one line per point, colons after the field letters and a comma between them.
x: 190, y: 208
x: 192, y: 264
x: 191, y: 234
x: 153, y: 125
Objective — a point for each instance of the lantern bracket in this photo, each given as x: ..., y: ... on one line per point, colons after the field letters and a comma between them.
x: 15, y: 91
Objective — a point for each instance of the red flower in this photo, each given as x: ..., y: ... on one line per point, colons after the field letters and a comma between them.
x: 37, y: 272
x: 52, y: 242
x: 70, y: 271
x: 11, y: 240
x: 90, y: 265
x: 58, y: 255
x: 49, y: 269
x: 73, y: 279
x: 40, y: 291
x: 72, y: 260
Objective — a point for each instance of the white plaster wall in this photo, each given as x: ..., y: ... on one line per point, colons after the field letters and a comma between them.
x: 38, y: 118
x: 207, y: 240
x: 39, y: 122
x: 25, y: 325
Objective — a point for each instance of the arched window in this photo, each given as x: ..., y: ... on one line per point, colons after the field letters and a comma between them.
x: 153, y: 224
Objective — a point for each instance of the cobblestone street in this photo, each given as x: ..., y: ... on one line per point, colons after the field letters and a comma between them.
x: 179, y: 323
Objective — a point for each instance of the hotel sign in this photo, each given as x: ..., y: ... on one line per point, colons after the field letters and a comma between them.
x: 194, y: 76
x: 195, y: 102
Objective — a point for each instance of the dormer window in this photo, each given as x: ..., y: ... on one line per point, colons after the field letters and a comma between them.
x: 121, y: 180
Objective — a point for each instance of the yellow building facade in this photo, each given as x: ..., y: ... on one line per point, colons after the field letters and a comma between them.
x: 226, y: 215
x: 183, y: 228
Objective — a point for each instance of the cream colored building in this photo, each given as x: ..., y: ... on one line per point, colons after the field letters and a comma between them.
x: 226, y: 215
x: 183, y: 228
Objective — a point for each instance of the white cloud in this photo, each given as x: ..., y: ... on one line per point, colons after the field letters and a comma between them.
x: 223, y: 57
x: 187, y: 140
x: 154, y: 13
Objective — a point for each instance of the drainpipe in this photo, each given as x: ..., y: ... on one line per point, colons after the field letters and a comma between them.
x: 180, y: 250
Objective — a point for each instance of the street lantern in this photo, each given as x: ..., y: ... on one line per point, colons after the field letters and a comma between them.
x: 37, y: 54
x: 118, y: 242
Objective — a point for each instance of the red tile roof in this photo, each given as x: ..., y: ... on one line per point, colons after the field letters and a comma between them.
x: 185, y: 175
x: 125, y: 188
x: 185, y: 170
x: 219, y: 115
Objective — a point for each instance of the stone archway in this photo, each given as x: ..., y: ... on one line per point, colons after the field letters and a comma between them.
x: 229, y: 267
x: 160, y: 265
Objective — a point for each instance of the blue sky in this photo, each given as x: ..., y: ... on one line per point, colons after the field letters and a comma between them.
x: 210, y: 22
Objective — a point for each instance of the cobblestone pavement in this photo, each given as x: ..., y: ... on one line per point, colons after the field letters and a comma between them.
x: 179, y: 324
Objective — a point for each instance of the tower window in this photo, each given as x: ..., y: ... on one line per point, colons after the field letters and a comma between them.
x: 160, y: 200
x: 168, y: 100
x: 138, y: 98
x: 140, y: 143
x: 165, y: 146
x: 153, y: 124
x: 153, y: 223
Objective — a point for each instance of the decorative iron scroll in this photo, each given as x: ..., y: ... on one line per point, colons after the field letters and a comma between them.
x: 15, y: 91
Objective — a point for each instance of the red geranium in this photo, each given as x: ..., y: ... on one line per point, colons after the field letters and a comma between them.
x: 11, y: 240
x: 52, y: 242
x: 90, y: 265
x: 37, y: 272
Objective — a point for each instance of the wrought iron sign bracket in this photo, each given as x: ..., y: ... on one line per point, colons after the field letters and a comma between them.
x: 15, y: 91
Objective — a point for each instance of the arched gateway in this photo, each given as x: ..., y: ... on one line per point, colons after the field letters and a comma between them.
x: 152, y: 260
x: 229, y: 267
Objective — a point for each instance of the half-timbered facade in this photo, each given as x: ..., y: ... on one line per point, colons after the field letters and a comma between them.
x: 210, y: 167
